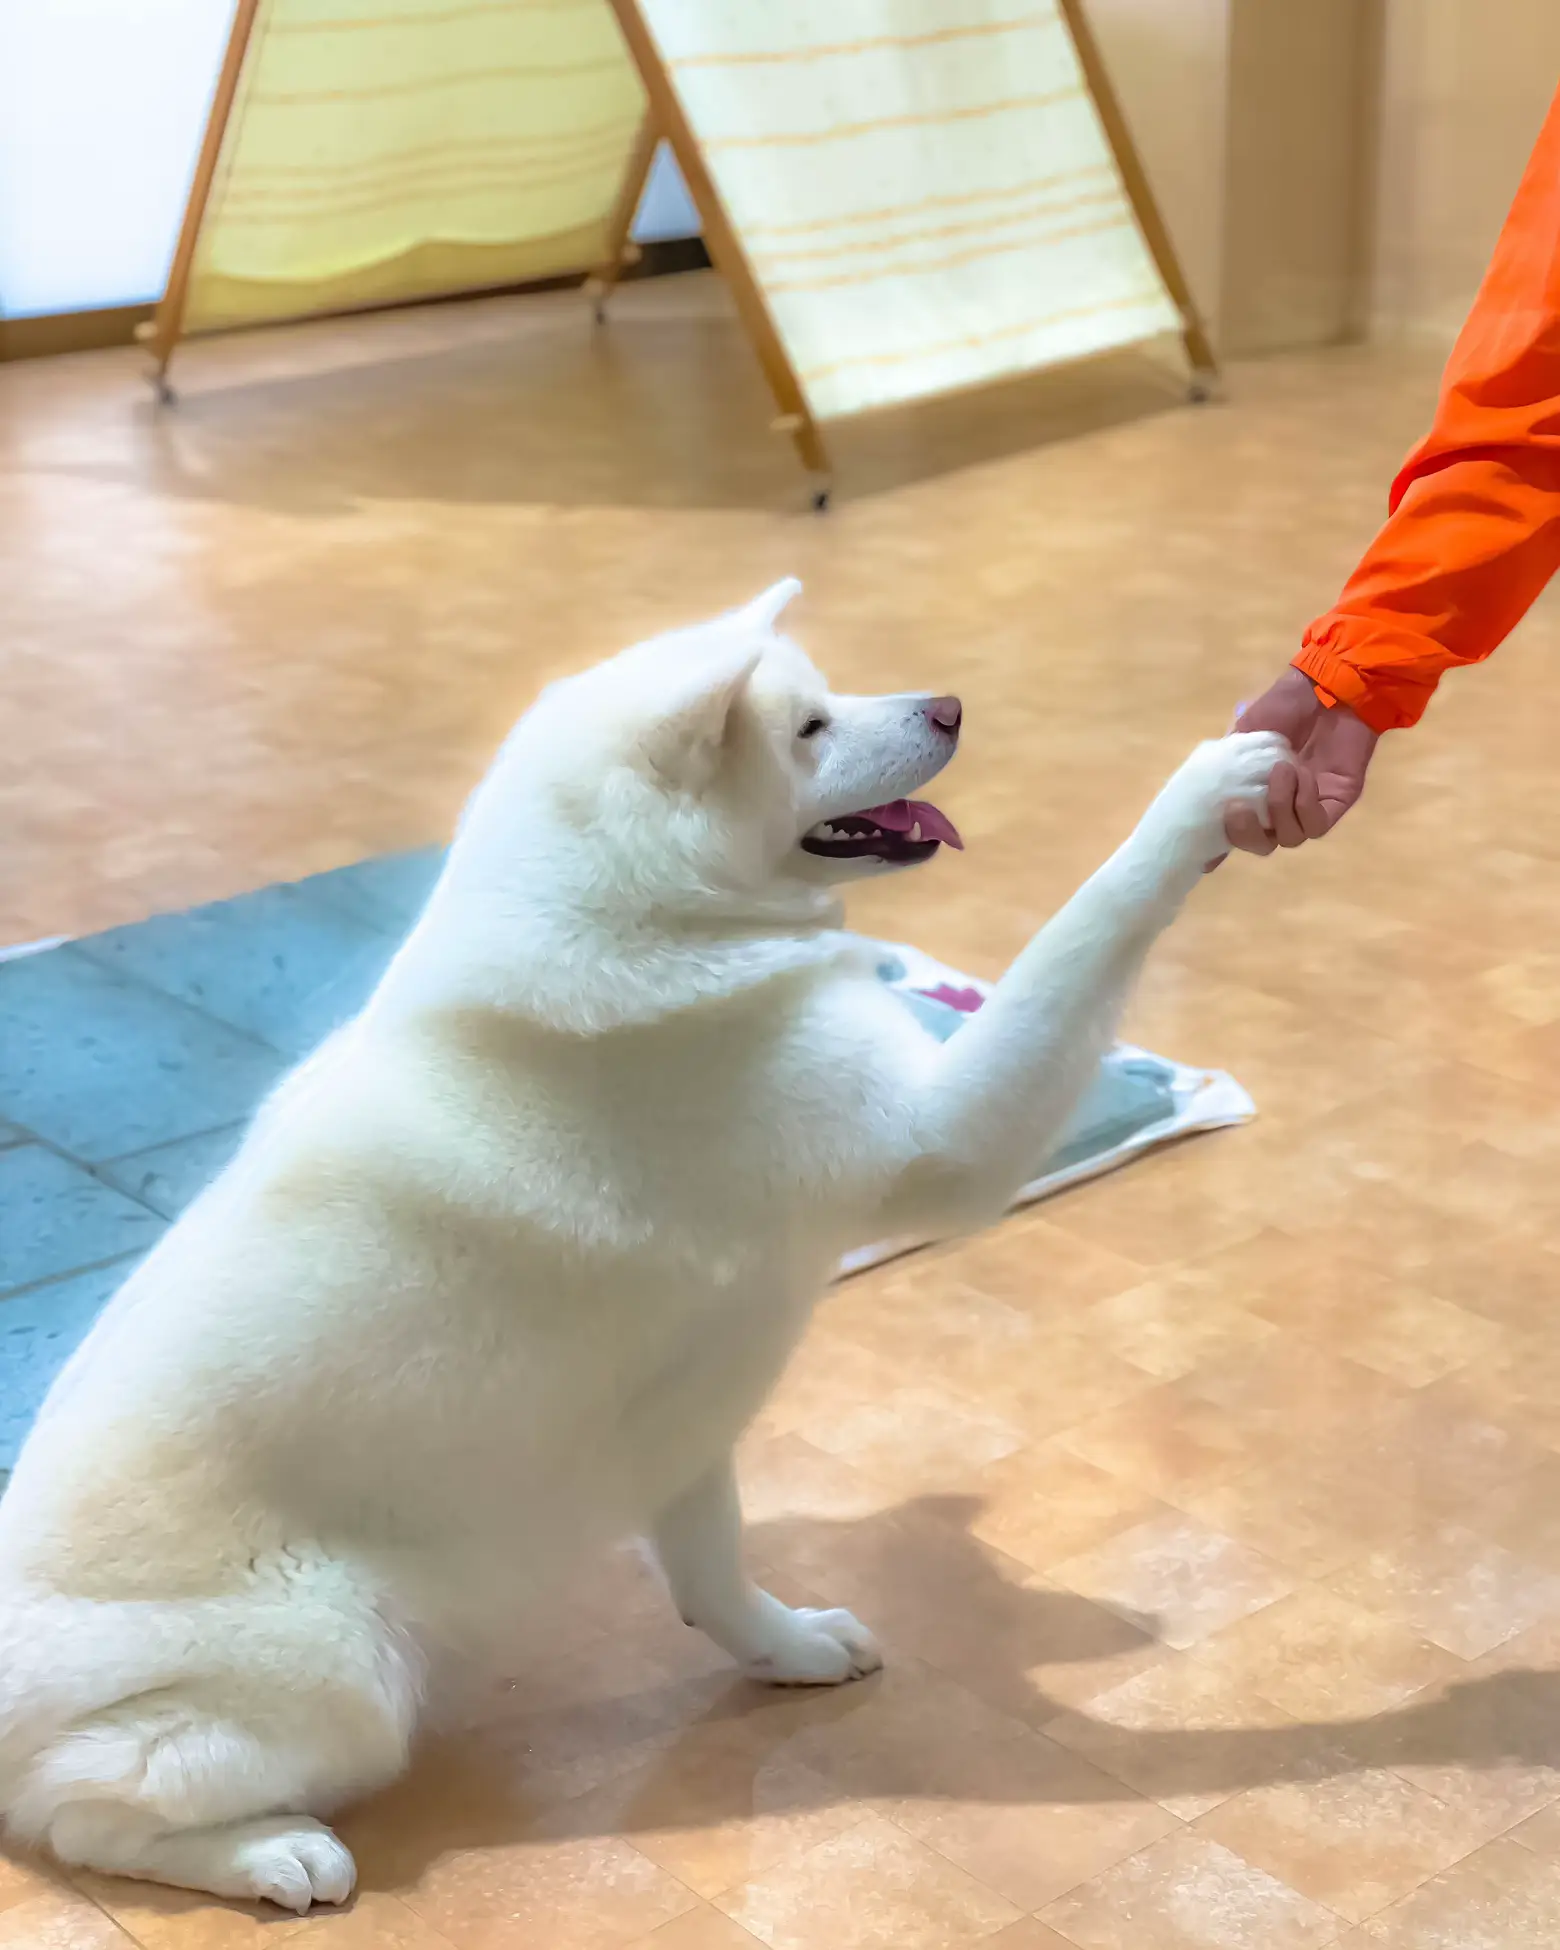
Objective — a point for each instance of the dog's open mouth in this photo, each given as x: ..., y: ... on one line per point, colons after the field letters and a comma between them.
x: 901, y: 833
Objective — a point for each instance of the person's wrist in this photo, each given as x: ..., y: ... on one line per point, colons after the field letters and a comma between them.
x: 1289, y: 705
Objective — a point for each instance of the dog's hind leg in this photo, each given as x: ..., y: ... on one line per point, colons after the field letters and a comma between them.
x: 698, y: 1540
x: 293, y: 1861
x: 205, y: 1781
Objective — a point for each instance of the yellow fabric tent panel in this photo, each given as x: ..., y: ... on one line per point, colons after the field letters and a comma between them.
x: 923, y: 189
x: 391, y: 149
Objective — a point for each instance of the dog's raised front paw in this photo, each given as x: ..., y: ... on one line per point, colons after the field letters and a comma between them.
x: 1227, y: 772
x: 1220, y: 775
x: 815, y: 1648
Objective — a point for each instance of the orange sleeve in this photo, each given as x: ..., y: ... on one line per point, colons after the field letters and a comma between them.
x: 1473, y: 529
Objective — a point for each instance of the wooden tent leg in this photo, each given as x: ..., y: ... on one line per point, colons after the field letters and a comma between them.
x: 813, y: 455
x: 1194, y: 336
x: 622, y: 251
x: 163, y: 331
x: 727, y: 254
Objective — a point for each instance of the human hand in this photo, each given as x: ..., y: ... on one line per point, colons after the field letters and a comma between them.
x: 1307, y: 798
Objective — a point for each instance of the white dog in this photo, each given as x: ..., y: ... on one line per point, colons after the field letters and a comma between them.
x: 504, y: 1270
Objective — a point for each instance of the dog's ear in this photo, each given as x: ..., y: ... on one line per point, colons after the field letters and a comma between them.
x: 684, y: 742
x: 764, y: 611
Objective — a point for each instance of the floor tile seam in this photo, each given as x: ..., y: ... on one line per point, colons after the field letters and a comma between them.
x: 1403, y: 1895
x: 1352, y: 1557
x: 32, y: 1287
x: 332, y: 904
x: 408, y: 1897
x: 280, y: 1935
x: 875, y: 1813
x: 134, y: 979
x: 1426, y: 1695
x: 1190, y: 1828
x: 96, y: 1168
x: 145, y: 1150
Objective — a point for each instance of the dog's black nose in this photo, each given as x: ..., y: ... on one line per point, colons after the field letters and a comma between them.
x: 947, y: 714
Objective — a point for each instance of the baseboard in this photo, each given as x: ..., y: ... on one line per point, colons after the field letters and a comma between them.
x: 70, y: 331
x: 53, y: 333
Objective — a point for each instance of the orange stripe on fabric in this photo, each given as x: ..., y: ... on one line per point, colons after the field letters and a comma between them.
x: 941, y: 264
x: 849, y: 131
x: 974, y: 339
x: 867, y: 245
x: 960, y: 200
x: 252, y: 213
x: 426, y: 84
x: 937, y: 38
x: 598, y: 136
x: 439, y: 17
x: 431, y: 172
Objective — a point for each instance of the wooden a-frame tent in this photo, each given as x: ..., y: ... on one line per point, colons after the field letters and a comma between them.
x: 905, y: 197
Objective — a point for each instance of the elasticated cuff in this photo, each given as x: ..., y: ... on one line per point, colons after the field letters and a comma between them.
x: 1385, y: 703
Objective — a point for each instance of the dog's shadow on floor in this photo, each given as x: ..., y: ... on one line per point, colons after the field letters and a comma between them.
x: 571, y: 1751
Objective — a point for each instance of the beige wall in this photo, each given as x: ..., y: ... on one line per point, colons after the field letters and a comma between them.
x: 1169, y: 61
x: 1465, y: 84
x: 1298, y: 156
x: 1253, y: 117
x: 1332, y: 166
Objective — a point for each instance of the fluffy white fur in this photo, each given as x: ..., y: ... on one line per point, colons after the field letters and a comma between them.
x: 503, y: 1271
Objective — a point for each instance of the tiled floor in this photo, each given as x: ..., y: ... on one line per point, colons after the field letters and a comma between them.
x: 1208, y: 1515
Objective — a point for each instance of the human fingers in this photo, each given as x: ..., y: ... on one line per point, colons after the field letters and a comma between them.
x: 1246, y: 833
x: 1283, y: 818
x: 1313, y: 816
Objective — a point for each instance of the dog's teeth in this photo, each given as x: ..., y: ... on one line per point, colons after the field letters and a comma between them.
x: 915, y: 832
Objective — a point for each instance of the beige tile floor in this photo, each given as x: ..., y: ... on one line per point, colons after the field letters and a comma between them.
x: 1211, y: 1515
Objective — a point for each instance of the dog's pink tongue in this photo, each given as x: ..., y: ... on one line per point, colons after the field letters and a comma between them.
x: 904, y: 814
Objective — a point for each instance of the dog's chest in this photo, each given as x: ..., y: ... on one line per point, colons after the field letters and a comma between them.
x: 734, y: 1134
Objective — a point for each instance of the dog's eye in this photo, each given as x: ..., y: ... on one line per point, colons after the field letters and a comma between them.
x: 812, y: 727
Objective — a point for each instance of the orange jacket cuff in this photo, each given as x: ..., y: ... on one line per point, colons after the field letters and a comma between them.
x: 1384, y: 704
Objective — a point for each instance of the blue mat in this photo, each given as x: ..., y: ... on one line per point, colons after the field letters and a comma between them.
x: 130, y: 1063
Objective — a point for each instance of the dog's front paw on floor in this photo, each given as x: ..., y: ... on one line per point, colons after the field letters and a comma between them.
x: 817, y: 1648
